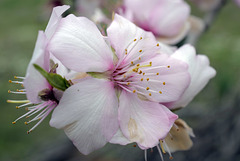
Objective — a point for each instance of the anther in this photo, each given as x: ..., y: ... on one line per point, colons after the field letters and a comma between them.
x: 10, y: 81
x: 138, y: 65
x: 134, y: 91
x: 157, y: 74
x: 140, y: 72
x: 135, y: 40
x: 28, y: 132
x: 143, y: 73
x: 147, y: 79
x: 150, y: 94
x: 150, y: 63
x: 17, y: 107
x: 9, y: 91
x: 132, y: 62
x: 124, y: 76
x: 164, y: 83
x: 139, y: 58
x: 160, y: 92
x: 147, y: 88
x: 158, y: 44
x: 140, y: 38
x: 140, y: 51
x: 128, y: 83
x: 13, y: 122
x: 168, y: 66
x: 25, y: 123
x: 141, y: 79
x: 134, y: 145
x: 170, y: 157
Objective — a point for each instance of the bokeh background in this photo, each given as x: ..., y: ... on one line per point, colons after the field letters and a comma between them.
x: 214, y: 114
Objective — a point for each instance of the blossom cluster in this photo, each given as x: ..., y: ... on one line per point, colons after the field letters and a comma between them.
x: 119, y: 87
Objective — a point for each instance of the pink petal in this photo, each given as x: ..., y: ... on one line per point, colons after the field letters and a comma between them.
x: 55, y: 19
x: 168, y: 17
x: 124, y: 35
x: 79, y: 45
x: 200, y: 70
x: 119, y: 138
x: 165, y: 84
x: 34, y: 81
x: 143, y: 122
x: 88, y: 114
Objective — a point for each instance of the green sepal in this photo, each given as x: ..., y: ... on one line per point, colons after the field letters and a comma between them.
x: 55, y: 80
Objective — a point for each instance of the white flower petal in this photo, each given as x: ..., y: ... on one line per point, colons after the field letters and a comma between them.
x: 79, y: 45
x: 200, y: 70
x: 35, y: 82
x: 88, y: 114
x: 54, y: 20
x: 143, y: 122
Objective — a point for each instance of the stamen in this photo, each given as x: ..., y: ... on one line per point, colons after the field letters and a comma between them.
x: 161, y: 144
x: 16, y: 92
x: 150, y: 94
x: 17, y: 77
x: 158, y: 44
x: 160, y: 153
x: 147, y: 88
x: 140, y: 51
x: 168, y: 150
x: 16, y: 82
x: 18, y: 101
x: 145, y: 155
x: 23, y: 105
x: 164, y: 83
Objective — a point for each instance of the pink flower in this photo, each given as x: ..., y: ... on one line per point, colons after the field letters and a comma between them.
x: 41, y: 96
x: 129, y: 79
x: 166, y: 19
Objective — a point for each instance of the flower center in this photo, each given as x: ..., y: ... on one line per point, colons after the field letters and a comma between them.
x: 138, y: 75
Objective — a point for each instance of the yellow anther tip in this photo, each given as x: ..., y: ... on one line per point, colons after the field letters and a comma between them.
x: 147, y: 79
x: 17, y: 107
x: 140, y: 51
x: 147, y: 88
x: 160, y: 92
x: 157, y: 74
x: 25, y: 123
x: 15, y: 77
x: 157, y: 44
x: 13, y: 122
x: 150, y: 94
x: 134, y: 91
x: 9, y: 91
x: 10, y: 81
x: 171, y: 158
x: 164, y: 83
x: 168, y: 66
x: 135, y: 40
x: 142, y: 79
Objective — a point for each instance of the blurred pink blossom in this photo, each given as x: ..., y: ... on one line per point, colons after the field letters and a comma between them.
x: 166, y: 19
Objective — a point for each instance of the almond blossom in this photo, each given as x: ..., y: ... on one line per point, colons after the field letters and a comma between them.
x: 128, y: 82
x: 42, y: 98
x: 166, y: 19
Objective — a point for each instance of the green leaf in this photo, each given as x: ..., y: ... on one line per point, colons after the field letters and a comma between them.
x: 55, y: 80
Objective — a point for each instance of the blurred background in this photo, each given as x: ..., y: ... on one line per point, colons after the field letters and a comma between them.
x: 214, y: 114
